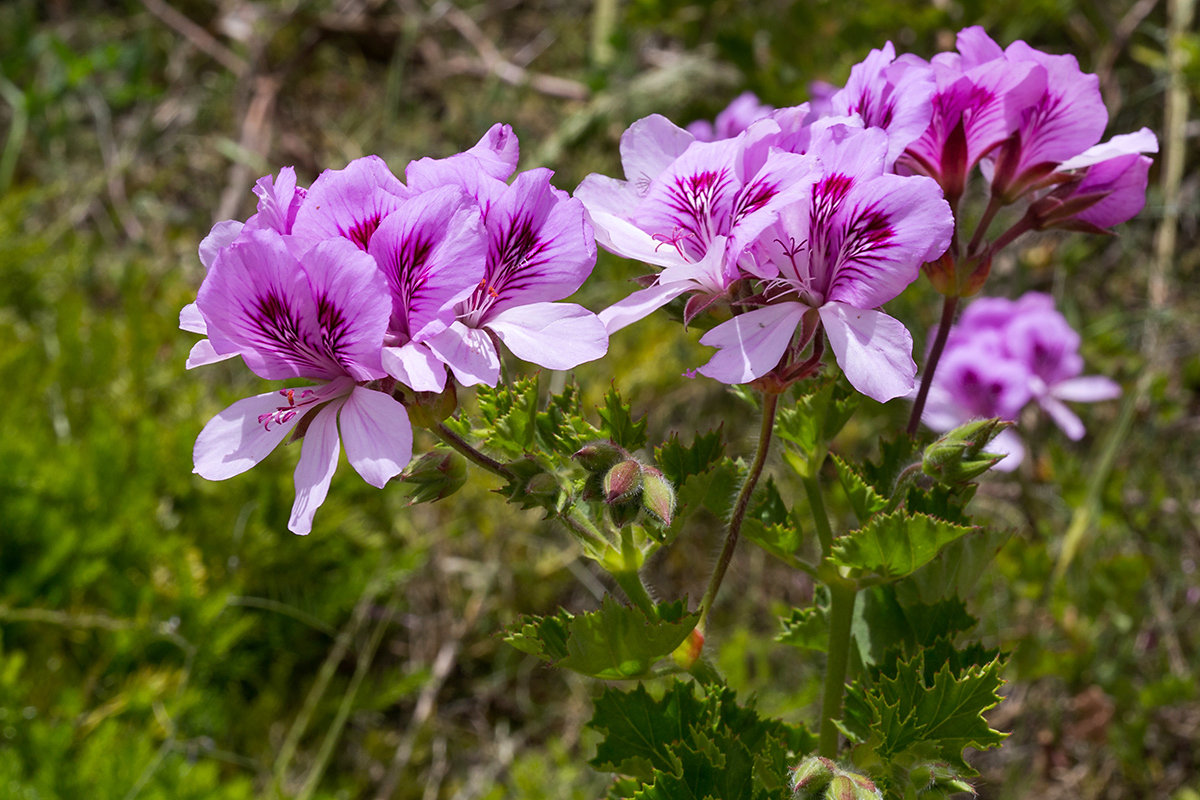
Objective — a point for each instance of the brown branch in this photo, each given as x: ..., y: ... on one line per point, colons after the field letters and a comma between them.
x: 201, y: 39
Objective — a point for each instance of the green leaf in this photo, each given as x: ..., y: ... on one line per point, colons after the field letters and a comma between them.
x: 561, y: 427
x: 884, y: 625
x: 944, y: 710
x: 686, y: 746
x: 945, y: 502
x: 714, y: 489
x: 864, y: 500
x: 613, y: 643
x: 807, y: 628
x: 957, y: 568
x: 618, y: 423
x: 895, y: 545
x: 814, y: 420
x: 781, y: 541
x: 678, y: 463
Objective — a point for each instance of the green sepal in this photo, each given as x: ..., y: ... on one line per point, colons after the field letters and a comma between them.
x: 616, y: 642
x: 618, y: 424
x: 895, y: 545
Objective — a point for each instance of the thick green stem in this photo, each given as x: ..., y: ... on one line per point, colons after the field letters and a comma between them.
x: 631, y: 583
x: 817, y: 503
x: 770, y: 403
x: 841, y: 616
x: 474, y: 456
x: 949, y: 306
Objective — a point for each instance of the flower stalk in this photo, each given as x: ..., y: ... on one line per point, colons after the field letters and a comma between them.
x: 949, y: 306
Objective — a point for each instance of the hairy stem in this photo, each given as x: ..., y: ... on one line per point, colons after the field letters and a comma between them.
x: 949, y: 306
x: 841, y: 616
x: 770, y: 403
x: 631, y: 583
x: 474, y: 456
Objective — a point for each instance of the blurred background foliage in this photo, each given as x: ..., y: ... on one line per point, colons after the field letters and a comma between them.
x: 166, y: 637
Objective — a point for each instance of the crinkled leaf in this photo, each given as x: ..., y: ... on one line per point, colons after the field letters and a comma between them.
x: 781, y: 541
x: 687, y: 746
x: 613, y: 643
x: 618, y: 424
x: 894, y: 545
x: 807, y: 628
x: 817, y: 416
x: 561, y: 427
x: 864, y: 500
x: 945, y: 711
x: 678, y: 463
x: 714, y: 490
x: 957, y: 568
x: 941, y: 501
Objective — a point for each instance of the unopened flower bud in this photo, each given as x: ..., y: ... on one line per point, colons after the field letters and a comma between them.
x: 812, y: 774
x: 658, y: 496
x: 428, y: 409
x: 623, y: 482
x: 944, y: 777
x: 943, y: 274
x: 958, y: 456
x: 841, y: 788
x: 435, y: 475
x: 600, y: 456
x: 542, y: 485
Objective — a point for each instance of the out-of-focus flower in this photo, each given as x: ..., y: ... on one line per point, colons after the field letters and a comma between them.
x: 737, y: 116
x: 322, y: 319
x: 1002, y: 355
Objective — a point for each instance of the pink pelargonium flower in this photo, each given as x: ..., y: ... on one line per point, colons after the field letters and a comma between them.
x: 1001, y: 355
x: 540, y: 249
x: 856, y: 240
x: 895, y: 94
x: 323, y: 318
x: 692, y: 208
x: 737, y: 117
x: 278, y: 201
x: 981, y: 100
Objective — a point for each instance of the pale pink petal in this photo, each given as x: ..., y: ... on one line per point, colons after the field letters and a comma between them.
x: 751, y: 344
x: 1086, y: 389
x: 191, y: 320
x: 221, y: 235
x: 314, y: 472
x: 376, y: 435
x: 415, y: 366
x: 469, y: 352
x: 649, y: 146
x: 498, y: 151
x: 873, y: 349
x: 551, y: 335
x: 976, y: 47
x: 202, y: 353
x: 243, y: 434
x: 640, y: 305
x: 349, y: 203
x: 1124, y: 144
x: 1063, y: 417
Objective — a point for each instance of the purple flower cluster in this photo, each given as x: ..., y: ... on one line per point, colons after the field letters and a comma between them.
x: 362, y: 281
x: 1004, y: 354
x: 804, y: 223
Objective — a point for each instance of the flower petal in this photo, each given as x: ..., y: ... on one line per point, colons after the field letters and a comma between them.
x: 1124, y: 144
x: 314, y: 472
x: 243, y: 434
x: 191, y: 320
x: 415, y: 366
x: 376, y: 434
x: 1008, y: 444
x: 649, y: 146
x: 221, y: 236
x: 469, y: 352
x: 751, y: 344
x: 202, y: 353
x: 873, y: 349
x: 1066, y: 419
x: 1086, y: 389
x: 640, y: 305
x: 349, y: 203
x: 552, y: 335
x: 432, y: 253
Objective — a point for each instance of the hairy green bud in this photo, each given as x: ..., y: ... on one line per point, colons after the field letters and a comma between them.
x: 812, y: 774
x: 658, y: 495
x: 434, y: 475
x: 958, y: 456
x: 623, y: 483
x: 600, y: 456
